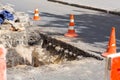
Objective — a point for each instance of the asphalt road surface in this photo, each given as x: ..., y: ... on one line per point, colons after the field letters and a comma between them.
x: 93, y: 28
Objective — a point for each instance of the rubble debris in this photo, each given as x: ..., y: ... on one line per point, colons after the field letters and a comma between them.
x: 4, y: 14
x: 17, y: 20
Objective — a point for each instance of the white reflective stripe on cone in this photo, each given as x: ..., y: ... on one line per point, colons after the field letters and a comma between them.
x: 36, y: 9
x: 71, y: 28
x: 72, y: 20
x: 36, y: 14
x: 113, y: 45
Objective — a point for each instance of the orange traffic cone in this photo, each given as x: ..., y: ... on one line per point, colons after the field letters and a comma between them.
x: 2, y: 63
x: 71, y: 31
x: 36, y: 15
x: 111, y: 49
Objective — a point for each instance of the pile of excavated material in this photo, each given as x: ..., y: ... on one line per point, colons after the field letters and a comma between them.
x: 16, y: 36
x: 23, y: 41
x: 13, y: 20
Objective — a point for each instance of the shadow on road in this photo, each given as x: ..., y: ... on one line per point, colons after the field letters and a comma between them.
x: 90, y: 27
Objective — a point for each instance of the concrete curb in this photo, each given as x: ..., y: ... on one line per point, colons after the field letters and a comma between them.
x: 87, y: 7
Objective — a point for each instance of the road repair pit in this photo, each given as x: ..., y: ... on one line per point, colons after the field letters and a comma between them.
x: 31, y: 47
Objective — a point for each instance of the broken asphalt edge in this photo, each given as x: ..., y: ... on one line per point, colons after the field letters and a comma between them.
x: 86, y: 7
x: 66, y: 46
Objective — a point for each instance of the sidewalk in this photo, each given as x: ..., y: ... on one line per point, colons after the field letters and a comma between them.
x: 112, y: 6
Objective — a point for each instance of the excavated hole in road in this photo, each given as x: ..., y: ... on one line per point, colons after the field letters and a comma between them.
x: 36, y: 49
